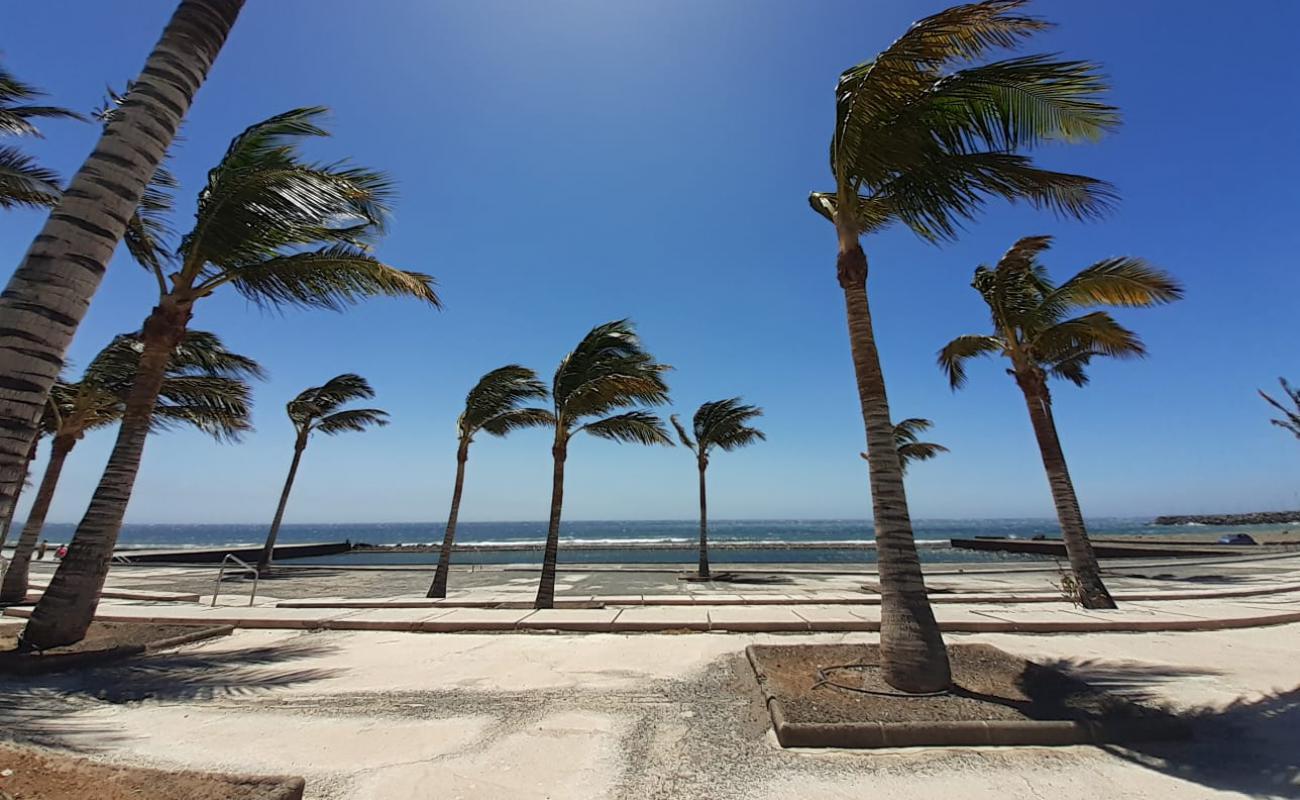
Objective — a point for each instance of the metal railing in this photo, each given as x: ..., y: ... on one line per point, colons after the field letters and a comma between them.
x: 243, y: 567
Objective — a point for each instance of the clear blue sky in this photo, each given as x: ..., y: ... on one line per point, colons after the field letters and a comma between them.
x: 563, y: 164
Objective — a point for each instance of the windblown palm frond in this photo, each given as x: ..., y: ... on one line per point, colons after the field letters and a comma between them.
x: 23, y: 182
x: 285, y: 231
x: 608, y: 370
x: 1029, y: 319
x: 918, y: 141
x: 205, y: 386
x: 637, y: 427
x: 493, y: 404
x: 318, y: 408
x: 908, y: 442
x: 724, y: 424
x: 1290, y: 420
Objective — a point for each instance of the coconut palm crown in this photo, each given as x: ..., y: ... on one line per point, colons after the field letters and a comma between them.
x: 1290, y: 420
x: 609, y: 370
x: 492, y: 406
x: 1035, y: 325
x: 926, y: 133
x: 23, y: 182
x: 205, y: 387
x: 723, y: 424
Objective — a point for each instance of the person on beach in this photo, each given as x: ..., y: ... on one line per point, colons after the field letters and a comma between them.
x: 40, y: 550
x: 62, y: 552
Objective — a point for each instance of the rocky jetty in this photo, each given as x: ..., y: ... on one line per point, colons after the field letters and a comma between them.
x: 1257, y: 518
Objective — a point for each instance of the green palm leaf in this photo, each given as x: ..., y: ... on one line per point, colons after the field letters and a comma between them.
x: 354, y: 420
x: 1290, y: 420
x: 953, y: 356
x: 637, y: 427
x: 320, y: 408
x: 332, y: 278
x: 25, y: 183
x: 493, y: 404
x: 724, y: 424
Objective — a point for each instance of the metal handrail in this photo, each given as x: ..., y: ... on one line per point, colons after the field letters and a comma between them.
x: 243, y: 567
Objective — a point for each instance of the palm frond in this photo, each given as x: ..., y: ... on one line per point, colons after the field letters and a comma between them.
x: 354, y: 420
x: 16, y: 113
x: 1094, y: 333
x: 1123, y: 281
x: 498, y: 393
x: 317, y: 401
x: 682, y: 435
x: 608, y: 370
x: 723, y: 423
x: 218, y: 406
x: 201, y: 352
x: 25, y: 183
x: 518, y: 419
x: 637, y: 427
x: 1290, y: 420
x: 918, y: 451
x: 952, y: 358
x: 332, y: 278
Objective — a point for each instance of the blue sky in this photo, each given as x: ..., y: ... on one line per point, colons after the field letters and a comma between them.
x: 563, y: 164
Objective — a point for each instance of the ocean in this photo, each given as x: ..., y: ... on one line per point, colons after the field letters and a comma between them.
x: 642, y: 541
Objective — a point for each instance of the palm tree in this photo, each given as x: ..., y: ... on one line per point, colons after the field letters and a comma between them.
x: 719, y: 423
x: 608, y: 370
x: 23, y: 182
x: 1033, y: 329
x: 205, y: 386
x: 492, y: 406
x: 907, y: 440
x: 1290, y: 420
x: 48, y: 294
x: 919, y: 143
x: 319, y: 409
x: 281, y: 232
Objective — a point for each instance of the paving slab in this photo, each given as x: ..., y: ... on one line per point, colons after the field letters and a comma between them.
x: 384, y: 619
x: 745, y: 618
x: 475, y: 619
x: 833, y: 618
x: 663, y: 618
x: 571, y: 619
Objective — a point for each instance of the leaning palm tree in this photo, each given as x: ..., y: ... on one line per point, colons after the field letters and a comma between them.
x: 23, y: 182
x: 276, y: 229
x: 319, y: 409
x: 724, y: 424
x: 492, y: 406
x: 608, y: 370
x: 205, y: 387
x: 907, y: 440
x: 1033, y: 329
x: 926, y: 145
x: 1290, y: 420
x: 47, y: 296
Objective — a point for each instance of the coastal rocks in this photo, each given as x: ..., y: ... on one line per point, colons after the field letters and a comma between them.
x: 1257, y: 518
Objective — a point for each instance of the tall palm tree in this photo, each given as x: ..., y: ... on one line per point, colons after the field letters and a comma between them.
x: 608, y: 370
x: 921, y: 143
x: 1032, y: 328
x: 23, y: 182
x: 205, y: 386
x: 907, y: 440
x: 719, y: 423
x: 319, y: 409
x: 492, y: 406
x: 278, y: 230
x: 1290, y: 420
x: 48, y: 294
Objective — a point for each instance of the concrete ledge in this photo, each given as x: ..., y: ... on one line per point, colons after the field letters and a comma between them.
x: 973, y: 733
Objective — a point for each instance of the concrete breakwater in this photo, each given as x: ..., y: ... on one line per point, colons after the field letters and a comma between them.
x: 1256, y: 518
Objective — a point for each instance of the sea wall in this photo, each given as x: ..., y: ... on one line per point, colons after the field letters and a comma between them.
x: 1257, y: 518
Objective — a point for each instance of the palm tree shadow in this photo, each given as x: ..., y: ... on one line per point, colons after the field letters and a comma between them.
x: 1248, y: 746
x: 45, y: 709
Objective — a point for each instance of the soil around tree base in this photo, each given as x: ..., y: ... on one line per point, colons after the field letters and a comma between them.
x: 835, y: 696
x: 32, y: 772
x: 104, y: 641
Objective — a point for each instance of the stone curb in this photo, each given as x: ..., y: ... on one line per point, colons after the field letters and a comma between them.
x: 620, y: 625
x: 59, y: 663
x: 957, y: 733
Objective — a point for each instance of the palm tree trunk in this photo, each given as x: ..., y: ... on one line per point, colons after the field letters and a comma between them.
x: 704, y: 524
x: 68, y: 605
x: 14, y: 589
x: 268, y: 549
x: 911, y: 647
x: 439, y: 587
x: 48, y: 294
x: 8, y: 519
x: 546, y: 587
x: 1092, y: 591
